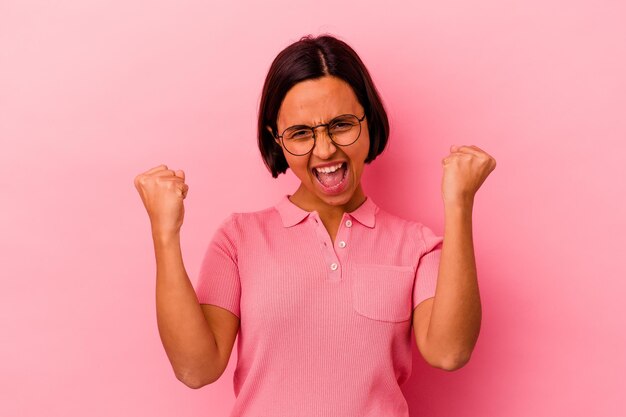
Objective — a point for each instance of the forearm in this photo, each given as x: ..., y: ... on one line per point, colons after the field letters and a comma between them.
x: 185, y: 332
x: 456, y: 313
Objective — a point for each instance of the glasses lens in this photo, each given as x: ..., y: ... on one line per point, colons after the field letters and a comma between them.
x: 298, y: 141
x: 345, y: 130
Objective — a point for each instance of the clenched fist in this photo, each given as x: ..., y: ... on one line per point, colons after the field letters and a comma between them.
x: 162, y: 191
x: 464, y: 171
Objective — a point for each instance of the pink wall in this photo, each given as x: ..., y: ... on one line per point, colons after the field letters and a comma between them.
x: 94, y: 92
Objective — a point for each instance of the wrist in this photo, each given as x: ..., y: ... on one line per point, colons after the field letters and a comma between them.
x: 164, y: 237
x: 456, y: 204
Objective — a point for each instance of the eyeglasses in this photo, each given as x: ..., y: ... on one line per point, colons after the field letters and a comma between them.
x: 343, y: 130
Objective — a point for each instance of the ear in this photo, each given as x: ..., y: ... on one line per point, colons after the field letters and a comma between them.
x: 269, y: 129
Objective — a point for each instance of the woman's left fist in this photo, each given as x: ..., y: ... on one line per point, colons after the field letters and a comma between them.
x: 464, y: 171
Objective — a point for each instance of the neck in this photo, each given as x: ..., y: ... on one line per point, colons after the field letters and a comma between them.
x: 304, y: 199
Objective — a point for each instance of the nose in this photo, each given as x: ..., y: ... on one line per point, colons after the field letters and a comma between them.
x: 324, y: 147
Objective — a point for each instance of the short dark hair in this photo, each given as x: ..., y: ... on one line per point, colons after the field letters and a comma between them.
x: 309, y: 58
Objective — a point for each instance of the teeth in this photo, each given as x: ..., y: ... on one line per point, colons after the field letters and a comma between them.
x: 327, y: 170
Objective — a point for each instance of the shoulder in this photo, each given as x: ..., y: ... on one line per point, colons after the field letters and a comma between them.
x: 391, y: 220
x: 414, y: 228
x: 245, y: 222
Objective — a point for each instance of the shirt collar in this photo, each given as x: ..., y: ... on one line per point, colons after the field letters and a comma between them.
x: 292, y: 214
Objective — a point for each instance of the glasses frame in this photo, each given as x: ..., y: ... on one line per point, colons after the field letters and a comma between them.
x: 327, y: 126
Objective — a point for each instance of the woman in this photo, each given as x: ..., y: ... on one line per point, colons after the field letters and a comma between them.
x: 324, y: 287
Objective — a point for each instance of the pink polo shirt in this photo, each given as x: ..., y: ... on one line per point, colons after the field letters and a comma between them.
x: 326, y: 327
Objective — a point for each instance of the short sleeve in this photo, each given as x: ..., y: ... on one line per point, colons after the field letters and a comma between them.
x: 428, y: 266
x: 218, y: 281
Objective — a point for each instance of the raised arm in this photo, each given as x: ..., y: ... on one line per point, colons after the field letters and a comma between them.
x: 197, y: 340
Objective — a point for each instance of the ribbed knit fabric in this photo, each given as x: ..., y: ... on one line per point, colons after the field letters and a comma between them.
x: 325, y: 326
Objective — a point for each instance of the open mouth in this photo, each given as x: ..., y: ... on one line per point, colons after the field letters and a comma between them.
x: 332, y: 180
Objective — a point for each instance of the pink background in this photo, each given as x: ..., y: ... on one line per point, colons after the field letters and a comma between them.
x: 94, y: 92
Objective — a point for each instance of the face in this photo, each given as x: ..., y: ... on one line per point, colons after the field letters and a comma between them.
x: 311, y: 103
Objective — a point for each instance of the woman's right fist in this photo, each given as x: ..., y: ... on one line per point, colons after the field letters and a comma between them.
x: 162, y: 191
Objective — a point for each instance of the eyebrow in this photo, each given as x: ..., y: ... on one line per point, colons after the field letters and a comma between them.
x: 301, y: 125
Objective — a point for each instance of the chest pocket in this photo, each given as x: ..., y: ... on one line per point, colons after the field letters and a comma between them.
x: 382, y: 292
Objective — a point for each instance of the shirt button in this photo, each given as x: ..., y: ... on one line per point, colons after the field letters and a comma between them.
x: 333, y: 266
x: 348, y: 223
x: 342, y: 244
